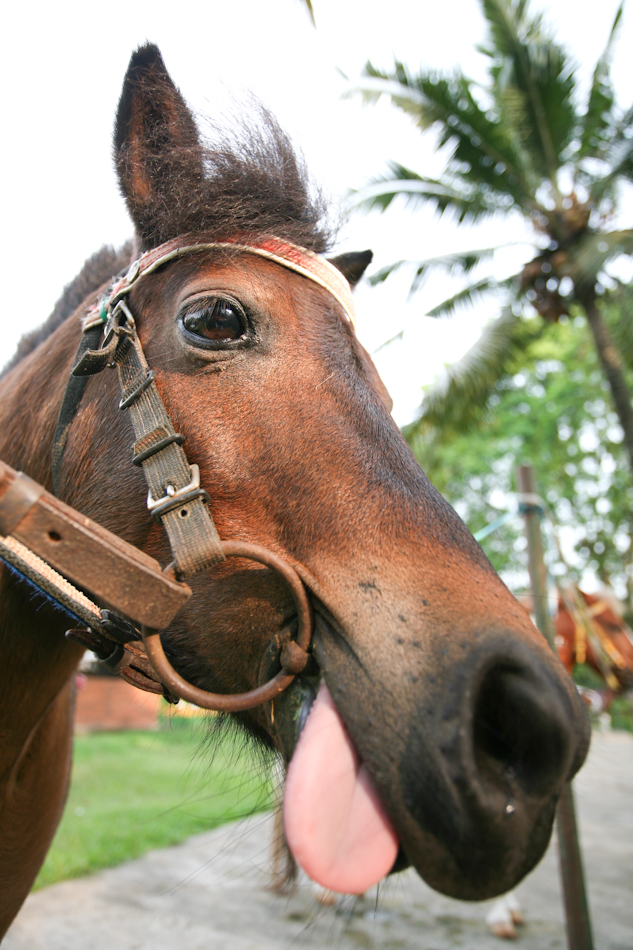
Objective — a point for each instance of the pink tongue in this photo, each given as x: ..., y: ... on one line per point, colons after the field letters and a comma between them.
x: 335, y: 824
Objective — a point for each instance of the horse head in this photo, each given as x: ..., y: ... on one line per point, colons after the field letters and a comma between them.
x: 443, y: 728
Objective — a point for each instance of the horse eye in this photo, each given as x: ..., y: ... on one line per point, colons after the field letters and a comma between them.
x: 219, y: 320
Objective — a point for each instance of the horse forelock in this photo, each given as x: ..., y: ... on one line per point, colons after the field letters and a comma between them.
x: 253, y: 183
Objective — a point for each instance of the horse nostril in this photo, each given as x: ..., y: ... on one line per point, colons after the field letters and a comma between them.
x: 520, y: 735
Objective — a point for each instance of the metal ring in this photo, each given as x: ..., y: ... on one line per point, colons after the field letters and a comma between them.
x: 234, y: 702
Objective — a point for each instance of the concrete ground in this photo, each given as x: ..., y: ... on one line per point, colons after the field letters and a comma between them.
x: 209, y: 893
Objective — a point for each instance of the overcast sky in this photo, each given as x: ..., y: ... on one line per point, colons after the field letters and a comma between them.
x: 62, y: 65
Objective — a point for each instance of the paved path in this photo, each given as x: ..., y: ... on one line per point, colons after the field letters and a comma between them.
x: 208, y: 893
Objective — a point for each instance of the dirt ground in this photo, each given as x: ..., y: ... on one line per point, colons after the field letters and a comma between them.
x: 209, y: 893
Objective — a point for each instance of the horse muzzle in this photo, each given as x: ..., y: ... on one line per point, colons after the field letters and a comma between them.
x: 481, y: 777
x: 466, y: 766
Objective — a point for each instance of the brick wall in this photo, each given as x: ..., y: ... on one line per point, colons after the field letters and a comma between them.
x: 109, y: 703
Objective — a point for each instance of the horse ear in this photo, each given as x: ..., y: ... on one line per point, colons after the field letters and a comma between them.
x: 353, y: 265
x: 156, y: 148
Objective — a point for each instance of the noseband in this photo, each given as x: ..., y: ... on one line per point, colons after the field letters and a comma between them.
x: 175, y: 497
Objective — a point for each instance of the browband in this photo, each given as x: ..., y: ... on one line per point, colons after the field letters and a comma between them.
x: 298, y: 259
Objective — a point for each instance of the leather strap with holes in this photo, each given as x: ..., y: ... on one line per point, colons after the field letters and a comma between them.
x: 174, y: 497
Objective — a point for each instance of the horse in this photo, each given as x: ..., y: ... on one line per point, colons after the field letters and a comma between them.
x: 433, y: 726
x: 591, y: 630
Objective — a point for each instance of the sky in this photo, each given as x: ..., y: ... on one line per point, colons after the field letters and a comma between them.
x: 62, y: 66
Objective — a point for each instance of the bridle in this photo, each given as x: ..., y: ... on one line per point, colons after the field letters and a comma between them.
x: 175, y: 497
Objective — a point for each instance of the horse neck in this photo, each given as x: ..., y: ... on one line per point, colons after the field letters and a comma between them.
x: 36, y: 660
x: 30, y: 397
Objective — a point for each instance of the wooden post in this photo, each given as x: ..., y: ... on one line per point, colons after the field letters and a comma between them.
x: 579, y: 935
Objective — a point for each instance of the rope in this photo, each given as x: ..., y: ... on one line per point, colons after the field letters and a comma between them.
x: 501, y: 520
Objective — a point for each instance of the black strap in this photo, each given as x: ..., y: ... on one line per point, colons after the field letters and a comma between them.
x: 70, y: 404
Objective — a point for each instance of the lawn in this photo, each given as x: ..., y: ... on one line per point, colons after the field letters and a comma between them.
x: 133, y: 791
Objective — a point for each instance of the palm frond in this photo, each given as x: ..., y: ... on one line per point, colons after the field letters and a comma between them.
x: 622, y: 130
x: 392, y: 339
x: 620, y: 158
x: 460, y: 398
x: 310, y: 9
x: 465, y: 201
x: 470, y: 295
x: 460, y: 263
x: 481, y: 149
x: 529, y: 61
x: 381, y: 275
x: 376, y: 84
x: 597, y: 123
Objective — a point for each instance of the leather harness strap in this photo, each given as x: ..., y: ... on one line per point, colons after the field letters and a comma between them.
x: 174, y: 497
x: 63, y: 553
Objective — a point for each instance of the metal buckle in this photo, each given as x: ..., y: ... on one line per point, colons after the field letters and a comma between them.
x: 174, y: 497
x: 119, y: 320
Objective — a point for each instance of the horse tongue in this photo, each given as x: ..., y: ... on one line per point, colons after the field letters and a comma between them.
x: 335, y: 824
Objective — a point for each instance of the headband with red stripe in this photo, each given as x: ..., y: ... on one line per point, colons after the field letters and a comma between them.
x: 298, y: 259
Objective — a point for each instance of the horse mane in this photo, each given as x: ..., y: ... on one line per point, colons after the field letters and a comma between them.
x: 254, y: 184
x: 97, y: 269
x: 242, y: 178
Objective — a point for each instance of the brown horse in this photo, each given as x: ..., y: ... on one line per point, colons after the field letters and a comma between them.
x: 589, y: 629
x: 447, y: 728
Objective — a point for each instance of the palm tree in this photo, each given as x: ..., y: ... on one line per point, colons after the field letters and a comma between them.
x: 520, y: 142
x: 309, y: 8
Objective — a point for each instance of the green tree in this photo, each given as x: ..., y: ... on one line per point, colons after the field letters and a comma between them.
x: 521, y: 142
x: 554, y: 413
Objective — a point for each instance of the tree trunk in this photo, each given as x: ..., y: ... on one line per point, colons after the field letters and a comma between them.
x: 612, y: 366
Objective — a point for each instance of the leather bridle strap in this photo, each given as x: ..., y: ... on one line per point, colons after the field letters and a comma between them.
x: 298, y: 259
x: 174, y: 497
x: 72, y: 397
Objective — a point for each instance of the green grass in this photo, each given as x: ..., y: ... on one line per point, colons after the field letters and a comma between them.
x: 622, y: 713
x: 583, y: 675
x: 133, y: 791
